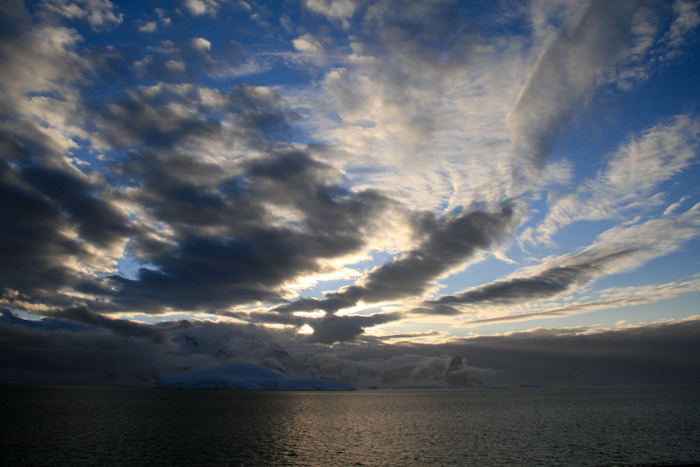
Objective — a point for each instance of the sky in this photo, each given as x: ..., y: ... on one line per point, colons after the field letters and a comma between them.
x: 356, y: 178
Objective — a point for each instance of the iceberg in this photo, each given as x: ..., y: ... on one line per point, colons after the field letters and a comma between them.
x: 246, y: 377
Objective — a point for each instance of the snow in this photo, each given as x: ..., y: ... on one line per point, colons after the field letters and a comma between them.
x: 246, y: 377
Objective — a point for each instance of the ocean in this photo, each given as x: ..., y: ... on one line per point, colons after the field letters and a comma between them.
x: 602, y: 426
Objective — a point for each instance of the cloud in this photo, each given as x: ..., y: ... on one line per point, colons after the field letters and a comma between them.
x: 82, y: 314
x: 40, y: 64
x: 687, y: 19
x: 100, y: 14
x: 53, y: 350
x: 202, y: 44
x: 673, y: 207
x: 660, y: 153
x: 59, y: 225
x: 97, y: 220
x: 331, y: 329
x: 630, y: 179
x: 334, y: 9
x: 550, y: 282
x: 308, y: 44
x: 147, y: 177
x: 566, y: 73
x: 624, y: 297
x: 151, y: 26
x: 208, y: 260
x: 646, y: 354
x: 185, y: 116
x: 406, y: 105
x: 653, y: 353
x: 446, y: 244
x: 195, y: 185
x: 617, y: 250
x: 201, y: 7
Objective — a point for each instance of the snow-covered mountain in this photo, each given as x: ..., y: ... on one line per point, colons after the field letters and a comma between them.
x: 246, y: 377
x: 407, y: 371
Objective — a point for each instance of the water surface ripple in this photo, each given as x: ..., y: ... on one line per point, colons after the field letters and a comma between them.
x: 68, y: 426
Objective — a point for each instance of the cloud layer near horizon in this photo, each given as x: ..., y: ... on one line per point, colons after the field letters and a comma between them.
x: 52, y: 350
x: 155, y: 162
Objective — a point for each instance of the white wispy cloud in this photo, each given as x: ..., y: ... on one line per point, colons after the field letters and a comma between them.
x: 336, y: 9
x: 568, y: 71
x: 99, y: 14
x: 201, y: 7
x: 629, y: 182
x: 149, y: 27
x: 430, y: 129
x: 675, y: 206
x: 608, y: 299
x: 686, y: 21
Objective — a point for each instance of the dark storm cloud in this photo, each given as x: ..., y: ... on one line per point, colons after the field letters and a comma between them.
x: 659, y: 353
x: 167, y: 116
x: 150, y: 118
x: 663, y: 353
x: 43, y: 200
x: 546, y: 284
x: 328, y: 329
x: 82, y: 314
x: 186, y: 193
x: 39, y: 207
x: 331, y: 329
x: 331, y: 211
x: 216, y: 272
x: 99, y: 222
x: 223, y: 245
x: 80, y: 318
x: 447, y: 243
x: 53, y: 217
x: 248, y: 258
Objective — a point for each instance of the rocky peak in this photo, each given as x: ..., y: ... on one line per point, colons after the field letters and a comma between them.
x: 454, y: 364
x: 279, y: 359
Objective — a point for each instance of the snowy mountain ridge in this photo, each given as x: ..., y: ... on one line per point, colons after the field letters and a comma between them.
x: 406, y: 371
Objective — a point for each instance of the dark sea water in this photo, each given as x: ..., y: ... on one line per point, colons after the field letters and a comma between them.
x: 69, y: 426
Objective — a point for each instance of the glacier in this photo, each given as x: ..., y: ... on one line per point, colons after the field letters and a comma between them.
x: 246, y: 377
